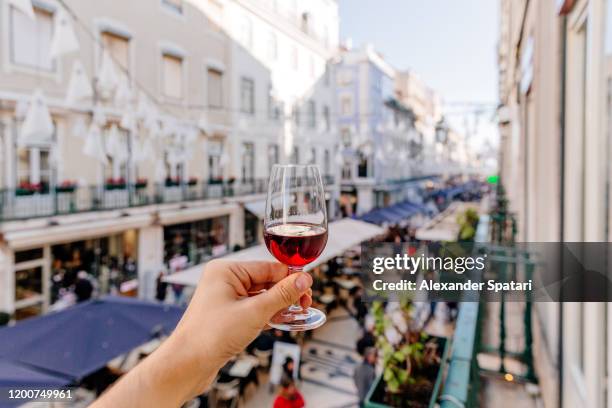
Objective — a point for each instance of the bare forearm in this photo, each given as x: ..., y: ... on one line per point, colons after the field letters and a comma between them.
x: 167, y: 378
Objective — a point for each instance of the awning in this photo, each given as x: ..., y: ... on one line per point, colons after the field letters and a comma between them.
x: 258, y: 208
x: 393, y: 214
x: 444, y: 226
x: 18, y: 376
x: 79, y: 340
x: 343, y: 235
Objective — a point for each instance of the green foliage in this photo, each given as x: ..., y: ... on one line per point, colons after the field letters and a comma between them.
x: 398, y: 359
x: 467, y: 220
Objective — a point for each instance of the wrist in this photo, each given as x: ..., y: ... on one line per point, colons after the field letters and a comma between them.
x: 196, y: 363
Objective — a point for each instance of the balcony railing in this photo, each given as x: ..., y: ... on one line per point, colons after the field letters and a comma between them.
x: 20, y: 203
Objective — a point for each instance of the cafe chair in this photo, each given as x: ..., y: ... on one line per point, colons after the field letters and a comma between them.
x: 263, y: 356
x: 227, y: 392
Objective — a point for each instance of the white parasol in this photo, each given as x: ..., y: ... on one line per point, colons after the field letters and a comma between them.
x: 64, y: 39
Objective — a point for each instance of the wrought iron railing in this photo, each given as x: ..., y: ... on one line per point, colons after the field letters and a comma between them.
x: 23, y: 203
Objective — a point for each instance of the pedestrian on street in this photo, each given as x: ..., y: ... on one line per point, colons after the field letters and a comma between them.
x: 161, y: 288
x: 288, y: 395
x: 365, y: 374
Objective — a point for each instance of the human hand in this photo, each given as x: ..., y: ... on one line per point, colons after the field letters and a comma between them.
x: 225, y: 315
x: 230, y: 307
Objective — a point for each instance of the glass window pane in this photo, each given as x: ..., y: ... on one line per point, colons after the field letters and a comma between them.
x: 215, y: 88
x: 118, y: 47
x: 172, y: 76
x: 28, y: 283
x: 31, y: 39
x: 29, y: 255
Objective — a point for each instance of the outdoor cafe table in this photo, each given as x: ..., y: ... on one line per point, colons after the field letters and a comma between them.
x: 243, y: 368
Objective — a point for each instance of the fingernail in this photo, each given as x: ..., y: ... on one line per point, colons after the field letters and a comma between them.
x: 302, y: 282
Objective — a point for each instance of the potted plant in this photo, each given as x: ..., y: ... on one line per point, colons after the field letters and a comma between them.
x: 26, y: 188
x: 115, y: 183
x: 172, y: 182
x: 468, y: 221
x: 413, y: 361
x: 192, y: 181
x: 141, y: 183
x: 66, y: 186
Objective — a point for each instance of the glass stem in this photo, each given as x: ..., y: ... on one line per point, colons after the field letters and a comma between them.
x: 296, y: 307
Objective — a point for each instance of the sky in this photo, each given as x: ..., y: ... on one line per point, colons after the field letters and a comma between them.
x: 450, y: 44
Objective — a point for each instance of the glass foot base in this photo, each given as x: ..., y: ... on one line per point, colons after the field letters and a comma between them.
x: 298, y: 320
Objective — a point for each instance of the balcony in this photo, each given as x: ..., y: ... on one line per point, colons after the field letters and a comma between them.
x: 19, y: 204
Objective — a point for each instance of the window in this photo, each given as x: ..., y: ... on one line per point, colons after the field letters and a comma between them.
x: 296, y: 116
x: 175, y: 169
x: 174, y: 5
x: 273, y: 106
x: 215, y: 171
x: 247, y: 96
x: 295, y: 155
x: 294, y: 58
x: 326, y: 162
x: 345, y: 136
x: 346, y: 105
x: 34, y: 167
x: 28, y: 284
x: 272, y: 155
x: 31, y: 39
x: 312, y: 114
x: 326, y: 118
x: 172, y: 76
x: 272, y: 47
x: 248, y: 161
x: 118, y: 48
x: 117, y: 169
x: 347, y: 172
x: 313, y: 156
x: 363, y: 167
x: 215, y: 88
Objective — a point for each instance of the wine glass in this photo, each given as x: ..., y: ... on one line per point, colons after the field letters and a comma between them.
x: 295, y: 232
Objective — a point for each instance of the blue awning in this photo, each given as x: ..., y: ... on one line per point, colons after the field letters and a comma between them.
x: 82, y: 339
x: 18, y: 376
x: 393, y: 214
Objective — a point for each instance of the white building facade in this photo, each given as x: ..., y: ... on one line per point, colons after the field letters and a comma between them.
x: 131, y: 183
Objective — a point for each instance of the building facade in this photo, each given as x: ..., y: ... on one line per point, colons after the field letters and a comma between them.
x: 154, y: 167
x: 380, y: 143
x: 554, y: 122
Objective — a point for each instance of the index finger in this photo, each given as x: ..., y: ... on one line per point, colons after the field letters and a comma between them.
x: 259, y: 273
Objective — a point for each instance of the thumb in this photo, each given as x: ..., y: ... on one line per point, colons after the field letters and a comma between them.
x: 283, y: 294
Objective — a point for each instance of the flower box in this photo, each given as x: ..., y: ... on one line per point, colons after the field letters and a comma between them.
x: 192, y: 182
x: 115, y: 184
x: 172, y: 182
x: 66, y: 187
x: 423, y: 393
x: 140, y: 184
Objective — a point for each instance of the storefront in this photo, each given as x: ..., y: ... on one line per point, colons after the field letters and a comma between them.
x: 197, y: 240
x: 45, y: 277
x: 109, y: 261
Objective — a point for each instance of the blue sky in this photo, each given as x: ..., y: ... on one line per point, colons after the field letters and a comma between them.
x: 450, y: 44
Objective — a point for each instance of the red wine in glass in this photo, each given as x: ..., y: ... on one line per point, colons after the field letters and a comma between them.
x: 295, y: 244
x: 295, y: 232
